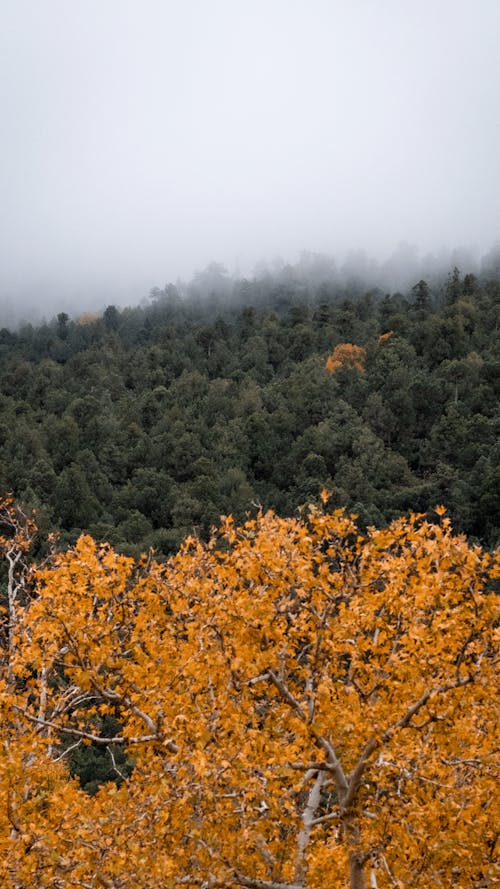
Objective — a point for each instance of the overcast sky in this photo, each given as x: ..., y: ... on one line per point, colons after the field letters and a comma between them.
x: 142, y: 139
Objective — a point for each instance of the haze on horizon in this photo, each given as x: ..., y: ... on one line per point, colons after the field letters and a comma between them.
x: 143, y: 140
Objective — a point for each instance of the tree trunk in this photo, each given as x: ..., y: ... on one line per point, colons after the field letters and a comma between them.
x: 357, y: 863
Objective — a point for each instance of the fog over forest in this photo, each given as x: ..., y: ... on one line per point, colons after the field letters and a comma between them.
x: 144, y: 141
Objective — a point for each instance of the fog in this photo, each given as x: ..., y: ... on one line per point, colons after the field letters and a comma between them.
x: 143, y: 139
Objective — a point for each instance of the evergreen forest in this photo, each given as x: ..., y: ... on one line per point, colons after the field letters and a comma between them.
x: 142, y: 425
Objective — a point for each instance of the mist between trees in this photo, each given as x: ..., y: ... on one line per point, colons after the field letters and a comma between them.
x: 339, y: 277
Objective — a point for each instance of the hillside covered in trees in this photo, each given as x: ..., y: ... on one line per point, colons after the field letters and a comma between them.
x: 145, y: 424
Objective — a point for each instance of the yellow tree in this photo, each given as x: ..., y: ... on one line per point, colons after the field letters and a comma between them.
x: 346, y: 355
x: 30, y: 771
x: 305, y: 706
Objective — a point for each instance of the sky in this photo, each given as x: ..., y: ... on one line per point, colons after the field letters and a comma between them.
x: 143, y: 139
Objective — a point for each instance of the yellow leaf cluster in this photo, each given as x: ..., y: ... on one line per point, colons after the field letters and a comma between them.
x: 305, y: 705
x: 346, y: 355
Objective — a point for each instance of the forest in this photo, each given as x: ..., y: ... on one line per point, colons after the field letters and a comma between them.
x: 142, y: 425
x: 249, y: 590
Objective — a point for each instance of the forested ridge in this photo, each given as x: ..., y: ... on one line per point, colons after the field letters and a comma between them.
x: 145, y: 424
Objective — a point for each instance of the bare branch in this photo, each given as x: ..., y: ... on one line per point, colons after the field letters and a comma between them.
x: 313, y: 801
x: 123, y: 699
x: 312, y: 766
x: 96, y: 739
x: 42, y: 709
x: 336, y: 813
x: 115, y: 767
x: 261, y: 678
x: 286, y: 694
x: 405, y: 720
x: 388, y: 871
x: 331, y: 815
x: 68, y: 750
x: 460, y: 762
x: 338, y: 771
x: 251, y: 883
x: 324, y: 743
x: 414, y: 775
x: 357, y: 774
x: 310, y: 698
x: 266, y: 853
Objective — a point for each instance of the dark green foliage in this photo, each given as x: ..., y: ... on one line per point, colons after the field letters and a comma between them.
x: 95, y: 764
x: 147, y: 424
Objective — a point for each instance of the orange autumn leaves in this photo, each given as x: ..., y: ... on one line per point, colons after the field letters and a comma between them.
x: 304, y: 705
x: 349, y: 355
x: 346, y: 355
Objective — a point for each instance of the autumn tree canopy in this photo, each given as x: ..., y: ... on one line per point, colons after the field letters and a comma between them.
x: 304, y: 706
x: 346, y: 355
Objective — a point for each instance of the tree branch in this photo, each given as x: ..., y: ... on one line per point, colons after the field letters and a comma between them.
x: 126, y: 702
x: 68, y: 750
x: 324, y: 743
x: 336, y: 767
x: 313, y: 801
x: 286, y: 694
x: 414, y: 709
x: 96, y: 739
x: 311, y: 766
x: 357, y: 774
x: 115, y: 767
x: 252, y: 883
